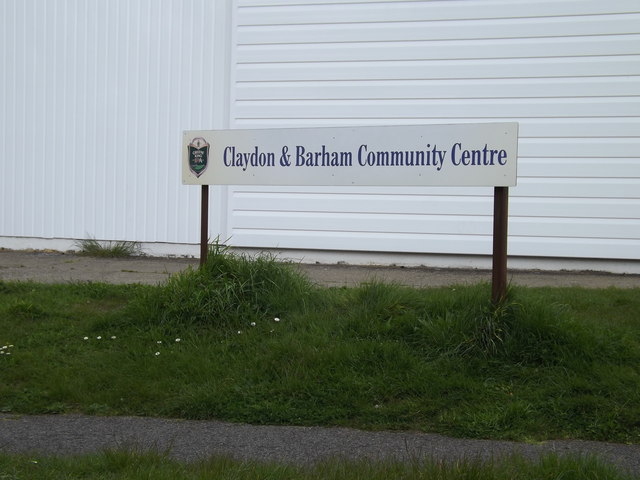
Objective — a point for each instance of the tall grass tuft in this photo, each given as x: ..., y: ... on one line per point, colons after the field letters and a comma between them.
x: 109, y: 249
x: 228, y: 290
x: 463, y: 323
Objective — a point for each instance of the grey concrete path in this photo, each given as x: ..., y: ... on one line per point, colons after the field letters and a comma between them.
x: 58, y: 267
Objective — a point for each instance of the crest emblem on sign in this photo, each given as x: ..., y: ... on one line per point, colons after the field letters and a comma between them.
x: 198, y: 155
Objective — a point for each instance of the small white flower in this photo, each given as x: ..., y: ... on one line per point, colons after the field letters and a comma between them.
x: 239, y: 332
x: 159, y: 342
x: 276, y: 319
x: 86, y: 338
x: 10, y: 346
x: 99, y: 337
x: 1, y: 352
x: 177, y: 340
x: 8, y: 353
x: 157, y: 353
x: 113, y: 337
x: 253, y: 324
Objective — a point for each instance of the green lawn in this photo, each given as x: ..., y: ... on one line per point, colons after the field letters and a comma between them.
x: 253, y: 341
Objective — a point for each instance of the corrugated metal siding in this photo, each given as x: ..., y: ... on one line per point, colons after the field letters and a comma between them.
x: 567, y: 70
x: 95, y: 95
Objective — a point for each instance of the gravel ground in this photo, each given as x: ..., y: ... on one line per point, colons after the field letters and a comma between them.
x: 192, y: 440
x: 65, y: 267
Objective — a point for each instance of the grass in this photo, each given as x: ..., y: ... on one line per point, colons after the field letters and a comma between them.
x: 137, y: 465
x: 258, y: 343
x: 108, y: 249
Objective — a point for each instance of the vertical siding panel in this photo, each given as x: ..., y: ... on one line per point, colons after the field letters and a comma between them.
x: 35, y: 183
x: 180, y: 110
x: 84, y: 151
x: 117, y: 115
x: 168, y: 187
x: 45, y: 110
x: 144, y: 154
x: 62, y: 173
x: 95, y: 96
x: 20, y: 163
x: 129, y: 76
x: 94, y: 143
x: 138, y: 147
x: 7, y: 57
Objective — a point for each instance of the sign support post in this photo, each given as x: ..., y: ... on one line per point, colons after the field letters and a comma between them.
x: 499, y: 267
x: 204, y: 224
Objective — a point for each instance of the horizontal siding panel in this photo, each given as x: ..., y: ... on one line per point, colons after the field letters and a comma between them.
x: 291, y: 12
x: 358, y: 223
x: 612, y: 188
x: 583, y: 148
x: 372, y: 242
x: 365, y: 203
x: 582, y: 228
x: 439, y: 30
x: 441, y: 69
x: 441, y: 89
x: 236, y: 191
x: 432, y: 204
x: 577, y: 187
x: 496, y: 108
x: 607, y: 248
x: 441, y: 50
x: 529, y: 127
x: 574, y: 207
x: 580, y: 168
x: 580, y: 127
x: 439, y: 244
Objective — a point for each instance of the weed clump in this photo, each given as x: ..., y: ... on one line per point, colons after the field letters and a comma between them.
x: 228, y: 290
x: 110, y: 249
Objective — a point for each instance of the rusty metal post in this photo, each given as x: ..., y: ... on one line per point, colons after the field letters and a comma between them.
x: 204, y: 224
x: 500, y: 221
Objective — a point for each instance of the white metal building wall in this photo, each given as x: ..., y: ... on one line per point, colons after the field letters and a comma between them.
x: 567, y: 70
x: 94, y: 96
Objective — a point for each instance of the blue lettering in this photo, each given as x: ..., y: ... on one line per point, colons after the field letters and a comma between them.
x: 228, y: 163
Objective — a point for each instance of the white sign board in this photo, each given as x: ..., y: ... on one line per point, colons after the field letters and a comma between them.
x: 436, y: 155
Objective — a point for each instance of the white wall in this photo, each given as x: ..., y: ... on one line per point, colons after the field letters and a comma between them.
x: 568, y: 71
x: 95, y: 95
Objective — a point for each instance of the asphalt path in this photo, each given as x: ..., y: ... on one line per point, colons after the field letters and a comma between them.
x: 188, y: 440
